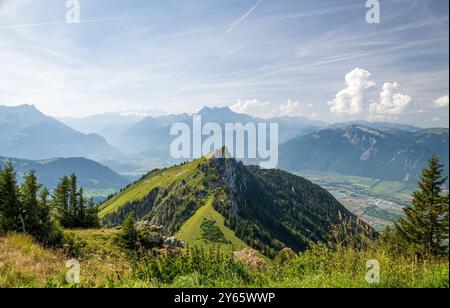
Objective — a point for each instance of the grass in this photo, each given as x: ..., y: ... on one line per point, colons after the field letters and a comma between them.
x: 26, y: 264
x: 23, y: 263
x: 191, y: 231
x: 157, y: 179
x: 96, y: 242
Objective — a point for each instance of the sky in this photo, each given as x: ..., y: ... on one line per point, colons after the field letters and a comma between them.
x: 319, y: 59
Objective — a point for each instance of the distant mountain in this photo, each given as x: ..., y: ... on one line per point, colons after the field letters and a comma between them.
x: 223, y: 202
x: 91, y: 175
x: 389, y: 154
x: 27, y: 133
x: 102, y: 123
x: 383, y: 126
x: 151, y: 136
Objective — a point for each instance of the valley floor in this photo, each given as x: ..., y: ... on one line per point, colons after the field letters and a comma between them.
x: 23, y: 263
x: 377, y: 202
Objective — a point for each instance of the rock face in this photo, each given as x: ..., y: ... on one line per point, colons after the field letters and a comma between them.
x: 249, y: 257
x: 146, y: 224
x: 150, y: 236
x: 234, y: 176
x: 173, y: 243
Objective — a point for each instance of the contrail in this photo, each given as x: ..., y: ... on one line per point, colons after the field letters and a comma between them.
x: 237, y: 23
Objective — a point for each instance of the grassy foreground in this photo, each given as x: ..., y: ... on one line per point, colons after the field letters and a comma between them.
x: 23, y: 263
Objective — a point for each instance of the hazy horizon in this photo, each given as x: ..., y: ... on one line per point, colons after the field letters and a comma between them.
x: 142, y: 114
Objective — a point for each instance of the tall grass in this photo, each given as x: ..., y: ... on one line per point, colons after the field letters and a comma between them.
x: 26, y: 264
x: 320, y: 267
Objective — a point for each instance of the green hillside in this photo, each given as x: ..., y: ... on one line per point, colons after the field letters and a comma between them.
x: 212, y: 201
x: 191, y: 232
x: 160, y: 178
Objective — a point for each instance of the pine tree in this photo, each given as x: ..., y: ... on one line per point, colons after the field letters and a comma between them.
x: 11, y: 213
x: 49, y: 231
x: 60, y: 202
x: 44, y: 207
x: 73, y: 209
x: 28, y: 198
x: 92, y: 220
x: 74, y: 204
x: 81, y: 209
x: 426, y: 223
x: 128, y: 234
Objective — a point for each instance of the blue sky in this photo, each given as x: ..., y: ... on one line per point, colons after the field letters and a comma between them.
x: 315, y: 58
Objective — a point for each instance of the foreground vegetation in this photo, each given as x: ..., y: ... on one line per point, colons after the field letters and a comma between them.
x: 104, y: 264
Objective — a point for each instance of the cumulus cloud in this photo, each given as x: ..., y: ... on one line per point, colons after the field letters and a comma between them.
x: 270, y: 110
x: 291, y: 108
x: 354, y: 100
x: 350, y: 101
x: 253, y: 107
x: 391, y: 102
x: 441, y: 102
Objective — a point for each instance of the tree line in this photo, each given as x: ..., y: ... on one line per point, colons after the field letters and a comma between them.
x: 30, y: 208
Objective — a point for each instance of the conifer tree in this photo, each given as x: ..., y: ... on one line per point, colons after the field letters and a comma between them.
x: 29, y: 199
x: 128, y: 234
x: 426, y: 223
x: 92, y: 219
x: 81, y: 219
x: 73, y: 201
x: 60, y: 201
x: 73, y: 209
x: 44, y: 207
x: 11, y: 214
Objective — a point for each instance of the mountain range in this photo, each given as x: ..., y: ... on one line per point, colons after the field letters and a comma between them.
x: 133, y: 143
x: 151, y: 137
x: 240, y: 205
x: 102, y: 124
x: 387, y: 153
x: 91, y: 175
x: 27, y: 133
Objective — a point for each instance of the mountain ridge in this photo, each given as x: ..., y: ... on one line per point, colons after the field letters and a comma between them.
x: 267, y: 209
x: 91, y: 175
x: 27, y: 133
x: 368, y: 152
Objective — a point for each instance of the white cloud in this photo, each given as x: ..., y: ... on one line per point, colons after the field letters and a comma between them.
x: 249, y: 106
x: 441, y: 102
x: 291, y: 108
x: 353, y: 100
x: 391, y: 102
x: 436, y: 119
x: 269, y: 110
x: 350, y: 100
